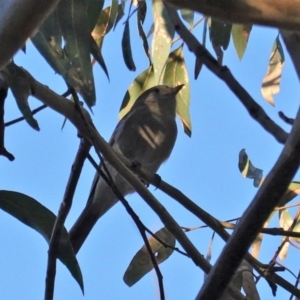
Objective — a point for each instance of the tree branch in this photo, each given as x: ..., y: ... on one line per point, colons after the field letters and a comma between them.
x: 67, y: 109
x: 62, y: 215
x: 277, y: 13
x: 267, y: 197
x: 254, y: 109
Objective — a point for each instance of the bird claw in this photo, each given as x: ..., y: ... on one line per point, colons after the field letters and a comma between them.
x: 157, y: 180
x: 135, y: 165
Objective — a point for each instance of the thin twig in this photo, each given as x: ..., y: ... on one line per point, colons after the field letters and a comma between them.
x: 34, y: 111
x: 141, y: 227
x: 3, y: 95
x: 62, y: 215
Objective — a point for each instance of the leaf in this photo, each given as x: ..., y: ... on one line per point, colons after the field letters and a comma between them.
x: 248, y: 280
x: 113, y: 14
x: 38, y: 217
x: 96, y: 52
x: 105, y: 22
x: 120, y: 14
x: 141, y: 263
x: 141, y: 14
x: 150, y: 31
x: 162, y: 38
x: 126, y: 48
x: 141, y: 83
x: 94, y: 8
x: 248, y: 170
x: 188, y: 16
x: 74, y: 23
x: 292, y: 192
x: 175, y: 74
x: 48, y: 42
x: 220, y: 36
x: 240, y: 36
x: 270, y: 84
x: 285, y: 221
x: 21, y: 90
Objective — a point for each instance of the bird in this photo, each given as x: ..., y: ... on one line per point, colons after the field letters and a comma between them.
x: 145, y: 135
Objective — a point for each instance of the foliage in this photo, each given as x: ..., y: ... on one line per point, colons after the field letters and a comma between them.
x: 71, y: 41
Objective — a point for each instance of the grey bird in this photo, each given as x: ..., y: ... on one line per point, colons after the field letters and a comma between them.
x: 146, y: 135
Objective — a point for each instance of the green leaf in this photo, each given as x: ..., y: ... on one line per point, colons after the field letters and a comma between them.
x: 271, y: 82
x: 248, y: 170
x: 175, y: 74
x: 120, y: 14
x: 141, y: 83
x: 240, y: 35
x: 48, y: 42
x: 38, y: 217
x: 94, y: 8
x: 292, y: 192
x: 113, y: 14
x: 220, y: 33
x: 162, y: 38
x: 141, y: 263
x: 20, y: 88
x: 96, y: 52
x: 188, y: 16
x: 141, y: 14
x: 74, y: 23
x: 126, y: 48
x: 220, y: 36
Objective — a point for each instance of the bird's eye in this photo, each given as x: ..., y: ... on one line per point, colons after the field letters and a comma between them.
x: 156, y: 91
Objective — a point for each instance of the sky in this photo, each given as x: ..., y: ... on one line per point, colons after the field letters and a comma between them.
x: 204, y: 167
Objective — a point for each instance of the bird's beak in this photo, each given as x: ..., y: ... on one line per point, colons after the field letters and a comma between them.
x: 177, y: 88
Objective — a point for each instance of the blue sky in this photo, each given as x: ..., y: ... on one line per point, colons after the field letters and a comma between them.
x: 204, y: 167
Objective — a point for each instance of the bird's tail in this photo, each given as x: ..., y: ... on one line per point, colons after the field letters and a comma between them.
x: 83, y: 226
x: 101, y: 200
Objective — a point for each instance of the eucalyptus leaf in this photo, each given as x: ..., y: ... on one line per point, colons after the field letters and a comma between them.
x: 33, y: 214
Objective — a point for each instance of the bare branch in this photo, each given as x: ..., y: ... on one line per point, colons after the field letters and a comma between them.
x: 281, y: 14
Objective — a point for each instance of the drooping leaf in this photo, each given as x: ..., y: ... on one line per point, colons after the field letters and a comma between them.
x: 141, y: 83
x: 150, y: 31
x: 38, y: 217
x: 270, y: 84
x: 141, y: 14
x: 126, y: 48
x: 292, y: 192
x: 94, y: 8
x: 248, y: 170
x: 188, y: 16
x: 113, y: 14
x: 198, y: 61
x: 175, y: 74
x: 162, y: 38
x: 74, y: 24
x: 105, y: 22
x: 240, y: 36
x: 120, y: 14
x: 20, y: 88
x: 141, y: 263
x: 285, y: 221
x: 48, y: 41
x: 220, y: 36
x: 96, y: 52
x: 248, y: 280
